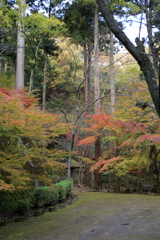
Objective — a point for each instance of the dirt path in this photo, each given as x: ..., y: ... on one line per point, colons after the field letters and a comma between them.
x: 94, y: 216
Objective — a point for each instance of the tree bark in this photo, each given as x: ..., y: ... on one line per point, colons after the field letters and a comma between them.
x: 113, y: 101
x: 141, y: 58
x: 98, y: 176
x: 112, y: 83
x: 69, y: 158
x: 88, y: 86
x: 44, y: 83
x: 32, y: 69
x: 1, y: 65
x: 20, y: 49
x: 96, y: 61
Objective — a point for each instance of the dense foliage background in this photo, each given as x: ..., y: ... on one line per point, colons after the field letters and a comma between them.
x: 73, y: 102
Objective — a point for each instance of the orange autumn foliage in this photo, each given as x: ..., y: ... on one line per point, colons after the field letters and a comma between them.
x: 25, y: 132
x: 129, y: 136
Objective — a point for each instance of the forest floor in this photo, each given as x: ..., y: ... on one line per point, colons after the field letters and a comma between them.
x: 94, y: 216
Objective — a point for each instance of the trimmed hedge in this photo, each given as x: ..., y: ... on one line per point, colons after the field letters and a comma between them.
x: 23, y: 200
x: 43, y: 196
x: 64, y: 188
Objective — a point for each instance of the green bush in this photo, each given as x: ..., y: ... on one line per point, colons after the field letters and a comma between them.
x: 23, y: 206
x: 42, y: 196
x: 64, y: 188
x: 96, y: 188
x: 22, y: 200
x: 9, y: 200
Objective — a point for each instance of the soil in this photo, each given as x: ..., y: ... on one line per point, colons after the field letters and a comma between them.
x: 94, y: 216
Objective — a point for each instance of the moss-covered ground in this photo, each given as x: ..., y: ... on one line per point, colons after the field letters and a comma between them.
x: 94, y: 216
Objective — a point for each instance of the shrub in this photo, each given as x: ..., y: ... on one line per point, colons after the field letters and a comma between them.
x: 23, y: 206
x: 96, y: 188
x: 22, y: 200
x: 42, y: 196
x: 64, y: 188
x: 9, y: 200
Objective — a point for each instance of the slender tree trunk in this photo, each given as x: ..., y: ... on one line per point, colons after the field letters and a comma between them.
x: 1, y: 63
x: 96, y: 61
x: 69, y: 158
x: 20, y: 49
x: 113, y: 101
x: 98, y: 176
x: 112, y: 78
x: 31, y: 79
x: 20, y: 61
x: 14, y: 70
x: 87, y: 76
x: 151, y: 176
x: 152, y: 166
x: 89, y: 102
x: 139, y: 180
x: 5, y: 67
x: 87, y: 173
x: 157, y: 165
x: 69, y: 166
x: 80, y: 173
x: 44, y: 83
x: 32, y: 70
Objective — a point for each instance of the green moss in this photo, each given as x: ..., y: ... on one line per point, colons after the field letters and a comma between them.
x: 52, y: 208
x: 39, y: 212
x: 90, y: 213
x: 20, y: 219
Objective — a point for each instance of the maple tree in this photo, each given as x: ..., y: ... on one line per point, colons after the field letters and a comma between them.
x: 136, y: 132
x: 25, y: 132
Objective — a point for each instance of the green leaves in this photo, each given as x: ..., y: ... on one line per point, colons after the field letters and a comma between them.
x: 41, y: 25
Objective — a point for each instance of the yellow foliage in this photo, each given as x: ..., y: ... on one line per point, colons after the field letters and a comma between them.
x: 25, y: 131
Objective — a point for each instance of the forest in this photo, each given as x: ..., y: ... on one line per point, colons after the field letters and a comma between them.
x: 79, y: 100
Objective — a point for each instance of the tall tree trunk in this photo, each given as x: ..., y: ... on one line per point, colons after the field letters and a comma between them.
x: 88, y: 85
x: 20, y: 49
x: 112, y: 78
x: 113, y: 101
x: 5, y: 67
x: 151, y: 176
x: 89, y: 77
x: 98, y: 176
x: 44, y: 83
x: 157, y: 183
x: 69, y: 158
x: 86, y: 74
x: 141, y: 58
x: 96, y: 61
x: 1, y: 63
